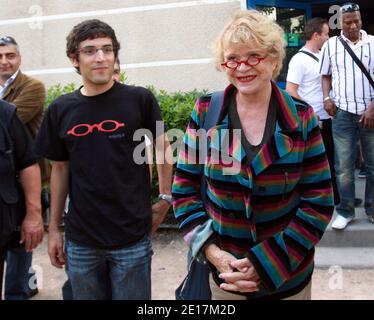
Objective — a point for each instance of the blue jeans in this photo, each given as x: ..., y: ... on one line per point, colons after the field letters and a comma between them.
x: 128, y: 270
x: 67, y: 291
x: 347, y: 130
x: 17, y: 274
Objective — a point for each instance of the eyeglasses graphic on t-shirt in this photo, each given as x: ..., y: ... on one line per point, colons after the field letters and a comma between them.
x: 84, y: 129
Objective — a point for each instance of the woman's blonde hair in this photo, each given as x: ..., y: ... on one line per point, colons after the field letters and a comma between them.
x: 252, y: 27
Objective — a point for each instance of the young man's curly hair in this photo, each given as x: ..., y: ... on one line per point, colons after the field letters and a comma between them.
x: 89, y: 29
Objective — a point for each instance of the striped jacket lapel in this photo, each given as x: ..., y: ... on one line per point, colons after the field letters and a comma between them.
x: 219, y: 136
x: 279, y: 144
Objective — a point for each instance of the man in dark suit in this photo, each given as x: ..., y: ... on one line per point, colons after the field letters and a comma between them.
x: 28, y: 95
x: 20, y: 211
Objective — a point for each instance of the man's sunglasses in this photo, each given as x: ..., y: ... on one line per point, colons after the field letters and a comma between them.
x: 349, y: 7
x: 7, y: 40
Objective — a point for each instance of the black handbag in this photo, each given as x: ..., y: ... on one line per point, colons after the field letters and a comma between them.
x: 195, y: 285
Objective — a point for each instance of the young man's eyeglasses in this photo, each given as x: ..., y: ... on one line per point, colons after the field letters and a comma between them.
x: 7, y: 40
x: 252, y: 61
x: 92, y: 50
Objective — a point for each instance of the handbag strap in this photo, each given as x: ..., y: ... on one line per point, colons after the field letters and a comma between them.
x: 309, y: 54
x: 212, y: 115
x: 357, y: 60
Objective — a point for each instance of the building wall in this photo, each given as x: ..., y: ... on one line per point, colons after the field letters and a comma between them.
x: 165, y: 43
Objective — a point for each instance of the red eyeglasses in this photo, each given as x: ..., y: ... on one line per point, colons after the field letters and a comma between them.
x: 82, y: 130
x: 252, y: 61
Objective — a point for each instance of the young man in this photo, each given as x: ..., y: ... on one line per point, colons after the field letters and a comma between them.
x: 89, y: 137
x: 28, y: 95
x: 352, y: 106
x: 305, y: 83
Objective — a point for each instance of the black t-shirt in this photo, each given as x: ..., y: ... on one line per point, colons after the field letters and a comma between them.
x: 109, y: 193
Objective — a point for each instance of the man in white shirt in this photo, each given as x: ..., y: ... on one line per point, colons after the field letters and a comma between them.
x: 305, y: 83
x: 352, y: 106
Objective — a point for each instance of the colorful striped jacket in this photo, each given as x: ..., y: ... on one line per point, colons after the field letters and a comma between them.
x: 273, y: 210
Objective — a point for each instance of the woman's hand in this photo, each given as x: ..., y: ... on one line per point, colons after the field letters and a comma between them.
x: 220, y: 259
x: 244, y: 278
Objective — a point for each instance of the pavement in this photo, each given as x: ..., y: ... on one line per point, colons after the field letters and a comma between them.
x: 330, y: 281
x: 352, y: 247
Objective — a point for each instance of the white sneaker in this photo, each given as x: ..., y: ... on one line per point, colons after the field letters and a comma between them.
x: 340, y: 222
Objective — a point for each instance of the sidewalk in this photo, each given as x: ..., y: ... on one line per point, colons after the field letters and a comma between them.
x: 169, y: 268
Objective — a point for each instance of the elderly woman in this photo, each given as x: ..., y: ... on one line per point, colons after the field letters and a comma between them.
x: 269, y: 206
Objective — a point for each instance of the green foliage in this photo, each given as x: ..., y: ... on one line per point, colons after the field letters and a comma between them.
x: 176, y: 110
x: 122, y: 77
x: 57, y: 90
x: 176, y: 107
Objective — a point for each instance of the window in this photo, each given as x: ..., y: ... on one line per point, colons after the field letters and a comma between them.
x: 292, y: 20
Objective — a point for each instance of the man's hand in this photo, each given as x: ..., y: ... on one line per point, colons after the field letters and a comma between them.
x: 32, y: 230
x: 32, y: 226
x: 330, y: 107
x: 244, y: 278
x: 159, y: 211
x: 219, y: 258
x: 56, y: 248
x: 367, y: 118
